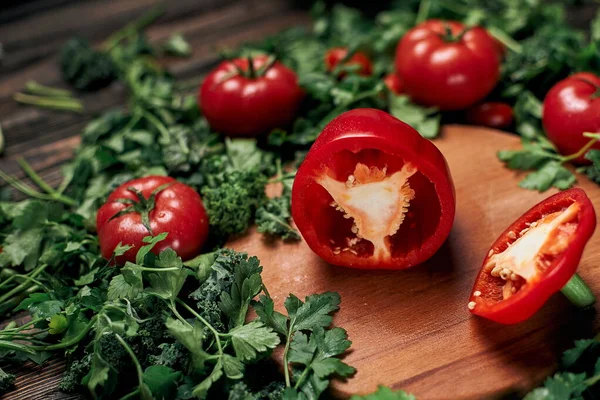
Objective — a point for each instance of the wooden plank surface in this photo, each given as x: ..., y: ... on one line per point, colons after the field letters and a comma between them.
x: 411, y: 329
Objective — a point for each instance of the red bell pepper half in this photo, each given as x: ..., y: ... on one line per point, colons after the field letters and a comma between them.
x: 372, y: 193
x: 534, y: 258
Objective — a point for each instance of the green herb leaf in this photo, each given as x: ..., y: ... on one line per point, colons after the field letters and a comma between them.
x: 385, y: 393
x: 551, y: 174
x: 425, y: 120
x: 162, y: 381
x: 252, y: 338
x: 273, y: 217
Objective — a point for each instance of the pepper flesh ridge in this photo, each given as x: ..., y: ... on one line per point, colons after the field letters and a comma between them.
x: 377, y: 203
x: 523, y: 258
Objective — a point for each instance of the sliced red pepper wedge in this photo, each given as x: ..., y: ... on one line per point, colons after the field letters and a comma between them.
x: 534, y: 258
x: 373, y: 193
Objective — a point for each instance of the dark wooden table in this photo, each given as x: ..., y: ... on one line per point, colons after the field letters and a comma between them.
x: 31, y: 34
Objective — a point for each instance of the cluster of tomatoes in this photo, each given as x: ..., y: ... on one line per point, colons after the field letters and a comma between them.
x: 372, y: 193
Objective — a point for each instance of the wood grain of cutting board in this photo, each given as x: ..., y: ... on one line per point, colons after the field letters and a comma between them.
x: 411, y: 329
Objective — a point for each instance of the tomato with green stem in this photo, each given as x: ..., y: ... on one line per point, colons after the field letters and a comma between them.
x: 147, y: 207
x: 373, y: 193
x: 447, y: 65
x: 571, y: 108
x: 535, y: 257
x: 250, y: 96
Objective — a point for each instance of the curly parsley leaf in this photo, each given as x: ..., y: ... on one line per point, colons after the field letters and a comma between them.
x: 273, y: 218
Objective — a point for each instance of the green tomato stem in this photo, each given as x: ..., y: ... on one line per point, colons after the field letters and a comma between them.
x: 578, y: 292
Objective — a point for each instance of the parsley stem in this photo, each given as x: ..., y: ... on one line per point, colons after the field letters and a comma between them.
x: 136, y: 362
x: 282, y: 177
x: 68, y: 343
x: 205, y: 322
x: 178, y: 315
x: 31, y: 192
x: 131, y: 395
x: 7, y: 281
x: 23, y: 285
x: 505, y: 39
x: 23, y: 337
x: 578, y: 292
x: 24, y: 326
x: 52, y: 103
x: 132, y: 28
x: 158, y: 125
x: 28, y: 278
x: 35, y: 177
x: 286, y: 350
x: 4, y: 344
x: 36, y: 88
x: 423, y: 12
x: 302, y: 377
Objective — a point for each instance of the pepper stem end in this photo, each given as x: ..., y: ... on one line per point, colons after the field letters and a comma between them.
x: 578, y: 292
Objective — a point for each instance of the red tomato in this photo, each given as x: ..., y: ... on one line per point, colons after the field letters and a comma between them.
x: 252, y: 102
x: 372, y: 193
x: 491, y: 114
x: 335, y: 55
x: 534, y: 258
x: 449, y: 71
x: 572, y: 108
x: 394, y: 83
x: 177, y: 210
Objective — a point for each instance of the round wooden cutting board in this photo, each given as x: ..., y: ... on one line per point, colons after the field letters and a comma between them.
x: 411, y: 329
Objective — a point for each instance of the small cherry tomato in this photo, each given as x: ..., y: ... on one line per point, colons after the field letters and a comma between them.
x: 394, y: 83
x: 241, y: 101
x: 491, y: 114
x: 534, y: 258
x: 335, y: 55
x: 373, y: 193
x: 447, y: 65
x: 147, y: 207
x: 572, y: 108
